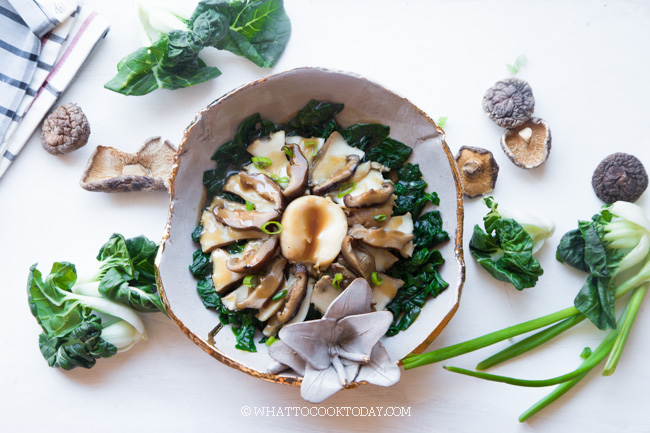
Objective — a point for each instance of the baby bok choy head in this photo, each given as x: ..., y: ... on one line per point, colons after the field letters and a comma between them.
x: 505, y: 249
x: 73, y: 334
x: 614, y: 241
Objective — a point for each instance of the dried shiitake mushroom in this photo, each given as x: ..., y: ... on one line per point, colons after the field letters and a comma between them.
x: 478, y: 170
x: 112, y: 170
x: 65, y: 129
x: 529, y: 144
x: 620, y: 176
x: 510, y: 102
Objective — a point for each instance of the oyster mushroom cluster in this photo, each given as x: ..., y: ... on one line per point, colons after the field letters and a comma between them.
x: 314, y: 218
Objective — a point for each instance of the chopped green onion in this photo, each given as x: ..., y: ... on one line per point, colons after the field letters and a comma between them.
x: 442, y: 121
x: 288, y: 151
x: 250, y: 206
x: 251, y: 280
x: 281, y: 294
x: 376, y: 279
x: 277, y: 224
x: 261, y: 161
x: 347, y: 189
x: 519, y: 62
x: 380, y: 217
x: 338, y: 277
x: 585, y: 353
x: 313, y: 144
x: 278, y: 179
x: 271, y: 340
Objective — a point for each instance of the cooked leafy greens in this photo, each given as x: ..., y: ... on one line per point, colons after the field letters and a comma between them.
x: 505, y: 249
x: 257, y: 30
x: 411, y: 191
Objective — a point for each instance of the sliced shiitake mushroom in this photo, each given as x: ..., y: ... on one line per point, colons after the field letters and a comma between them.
x: 298, y: 172
x: 335, y: 163
x: 265, y: 187
x: 375, y: 216
x: 236, y: 215
x: 256, y: 255
x: 324, y: 293
x: 214, y: 234
x: 222, y: 277
x: 233, y: 185
x: 371, y: 197
x: 359, y: 259
x: 340, y: 266
x: 269, y: 284
x: 384, y: 259
x: 338, y: 177
x: 383, y: 293
x: 295, y: 295
x: 380, y: 238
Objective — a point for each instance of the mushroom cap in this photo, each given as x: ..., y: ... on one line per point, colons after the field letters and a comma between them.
x: 478, y: 170
x: 509, y: 102
x: 620, y: 176
x: 112, y: 170
x: 313, y: 229
x: 65, y: 129
x: 529, y: 144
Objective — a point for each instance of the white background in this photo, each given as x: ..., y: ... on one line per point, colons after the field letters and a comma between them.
x: 588, y: 65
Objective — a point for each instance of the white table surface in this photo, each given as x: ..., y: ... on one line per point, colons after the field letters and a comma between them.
x: 588, y: 65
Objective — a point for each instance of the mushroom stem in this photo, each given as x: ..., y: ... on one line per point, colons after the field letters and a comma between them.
x: 526, y: 134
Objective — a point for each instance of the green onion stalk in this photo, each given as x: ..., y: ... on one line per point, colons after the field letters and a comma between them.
x: 624, y: 233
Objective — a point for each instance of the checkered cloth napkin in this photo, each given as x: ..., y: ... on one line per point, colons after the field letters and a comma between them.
x: 43, y: 45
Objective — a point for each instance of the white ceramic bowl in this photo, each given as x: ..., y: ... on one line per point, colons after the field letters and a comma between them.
x: 278, y: 98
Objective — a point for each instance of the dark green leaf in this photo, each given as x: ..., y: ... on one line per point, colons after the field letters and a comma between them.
x: 596, y: 301
x: 196, y: 233
x: 208, y: 295
x: 258, y: 30
x: 79, y: 348
x: 571, y: 250
x: 143, y: 256
x: 47, y: 299
x: 390, y: 153
x: 365, y: 135
x: 428, y: 230
x: 143, y: 297
x: 201, y: 265
x: 315, y: 119
x: 409, y: 172
x: 115, y: 254
x: 506, y: 253
x: 171, y: 62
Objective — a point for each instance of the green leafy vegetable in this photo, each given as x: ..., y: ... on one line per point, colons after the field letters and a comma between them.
x: 616, y: 240
x: 390, y: 153
x: 505, y: 249
x: 365, y: 135
x: 419, y: 273
x: 73, y: 336
x: 316, y: 119
x: 257, y: 30
x: 442, y: 121
x: 232, y: 155
x: 411, y: 191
